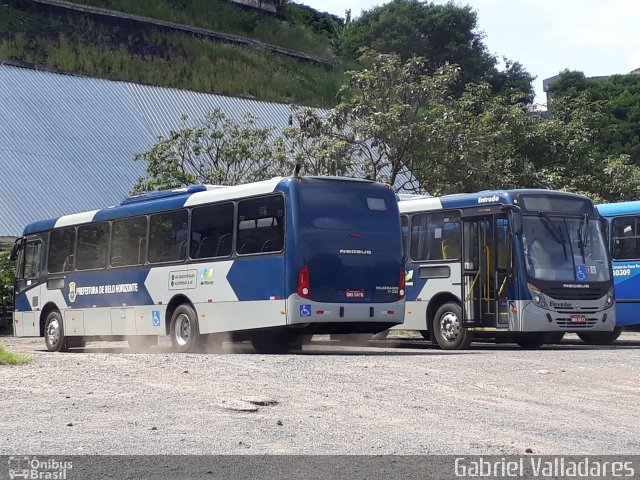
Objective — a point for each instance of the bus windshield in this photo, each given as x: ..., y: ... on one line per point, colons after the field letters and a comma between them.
x: 564, y: 248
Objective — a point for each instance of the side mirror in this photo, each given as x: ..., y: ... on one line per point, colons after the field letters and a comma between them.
x: 16, y: 248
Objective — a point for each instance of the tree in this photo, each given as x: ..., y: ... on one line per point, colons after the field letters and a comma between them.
x: 442, y: 34
x: 394, y: 123
x: 7, y: 276
x: 219, y: 151
x: 383, y: 118
x: 392, y: 116
x: 619, y: 97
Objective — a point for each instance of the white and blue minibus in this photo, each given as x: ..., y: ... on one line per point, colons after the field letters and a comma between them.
x: 269, y: 261
x: 527, y: 265
x: 624, y: 242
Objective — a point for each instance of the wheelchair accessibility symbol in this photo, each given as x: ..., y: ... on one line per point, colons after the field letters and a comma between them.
x: 305, y: 310
x: 156, y: 318
x: 581, y: 273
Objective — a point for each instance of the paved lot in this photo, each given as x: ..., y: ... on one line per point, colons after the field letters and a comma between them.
x: 399, y: 396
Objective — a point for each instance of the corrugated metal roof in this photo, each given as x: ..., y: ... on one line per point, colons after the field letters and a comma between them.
x: 67, y: 142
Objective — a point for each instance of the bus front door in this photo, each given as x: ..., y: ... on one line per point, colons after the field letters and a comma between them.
x: 485, y: 268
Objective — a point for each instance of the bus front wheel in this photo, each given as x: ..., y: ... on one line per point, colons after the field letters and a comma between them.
x: 600, y: 338
x: 184, y: 330
x: 447, y: 329
x: 54, y: 333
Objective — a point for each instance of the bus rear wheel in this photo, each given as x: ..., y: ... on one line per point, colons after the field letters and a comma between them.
x: 54, y: 333
x: 447, y: 329
x: 184, y: 330
x: 600, y: 338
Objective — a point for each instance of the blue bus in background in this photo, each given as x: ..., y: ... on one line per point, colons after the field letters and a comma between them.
x: 525, y: 265
x: 624, y: 240
x: 268, y: 261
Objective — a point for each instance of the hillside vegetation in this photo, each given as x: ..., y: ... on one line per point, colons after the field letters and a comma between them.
x: 79, y: 43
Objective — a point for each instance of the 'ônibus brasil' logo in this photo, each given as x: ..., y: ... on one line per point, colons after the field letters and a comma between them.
x: 72, y: 292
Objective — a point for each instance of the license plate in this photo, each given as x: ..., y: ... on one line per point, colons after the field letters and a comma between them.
x: 578, y: 319
x: 354, y: 293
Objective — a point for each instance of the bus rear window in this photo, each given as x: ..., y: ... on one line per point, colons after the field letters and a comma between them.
x: 340, y: 207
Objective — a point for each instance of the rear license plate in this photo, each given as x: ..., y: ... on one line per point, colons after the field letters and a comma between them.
x: 578, y: 319
x: 354, y: 293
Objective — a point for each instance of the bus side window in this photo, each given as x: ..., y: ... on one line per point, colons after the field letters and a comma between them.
x: 61, y: 250
x: 404, y: 223
x: 168, y: 236
x: 32, y: 259
x: 212, y: 231
x: 128, y: 241
x: 93, y: 240
x: 260, y: 225
x: 624, y: 238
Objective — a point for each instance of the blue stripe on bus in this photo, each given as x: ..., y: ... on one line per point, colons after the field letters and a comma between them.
x: 258, y: 278
x: 40, y: 226
x: 622, y: 208
x: 107, y: 288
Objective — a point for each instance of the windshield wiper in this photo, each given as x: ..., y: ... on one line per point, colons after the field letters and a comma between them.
x: 554, y: 231
x: 583, y: 235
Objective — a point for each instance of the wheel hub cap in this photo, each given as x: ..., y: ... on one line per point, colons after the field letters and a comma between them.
x: 450, y: 326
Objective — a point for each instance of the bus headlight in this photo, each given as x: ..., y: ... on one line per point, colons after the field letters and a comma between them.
x: 536, y: 296
x: 610, y: 298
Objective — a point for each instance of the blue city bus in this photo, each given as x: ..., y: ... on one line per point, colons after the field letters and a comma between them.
x: 624, y: 242
x: 524, y: 265
x: 269, y: 262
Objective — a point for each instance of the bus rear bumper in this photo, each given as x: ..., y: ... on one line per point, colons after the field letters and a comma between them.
x: 361, y: 317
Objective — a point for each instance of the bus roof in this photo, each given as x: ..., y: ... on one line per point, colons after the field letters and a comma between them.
x: 461, y: 200
x: 160, y: 201
x: 621, y: 208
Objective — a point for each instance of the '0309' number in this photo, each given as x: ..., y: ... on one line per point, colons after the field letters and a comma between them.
x: 622, y: 272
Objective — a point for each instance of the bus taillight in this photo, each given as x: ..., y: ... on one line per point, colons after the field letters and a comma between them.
x: 304, y: 285
x: 401, y: 291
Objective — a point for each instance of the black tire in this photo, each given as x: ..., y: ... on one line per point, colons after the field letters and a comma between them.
x: 447, y: 328
x: 184, y: 330
x: 532, y: 339
x: 600, y: 338
x: 142, y: 343
x: 271, y: 342
x: 54, y: 337
x: 553, y: 338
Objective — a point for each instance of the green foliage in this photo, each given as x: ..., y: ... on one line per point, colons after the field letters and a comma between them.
x: 7, y: 277
x: 218, y: 151
x: 442, y: 34
x: 78, y: 44
x: 382, y: 120
x: 619, y: 96
x: 297, y: 29
x: 10, y: 358
x: 391, y: 117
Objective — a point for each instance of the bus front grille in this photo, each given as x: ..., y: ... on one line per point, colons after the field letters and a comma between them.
x: 576, y: 294
x: 565, y: 322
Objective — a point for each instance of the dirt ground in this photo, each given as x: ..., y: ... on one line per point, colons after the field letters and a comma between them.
x: 398, y: 396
